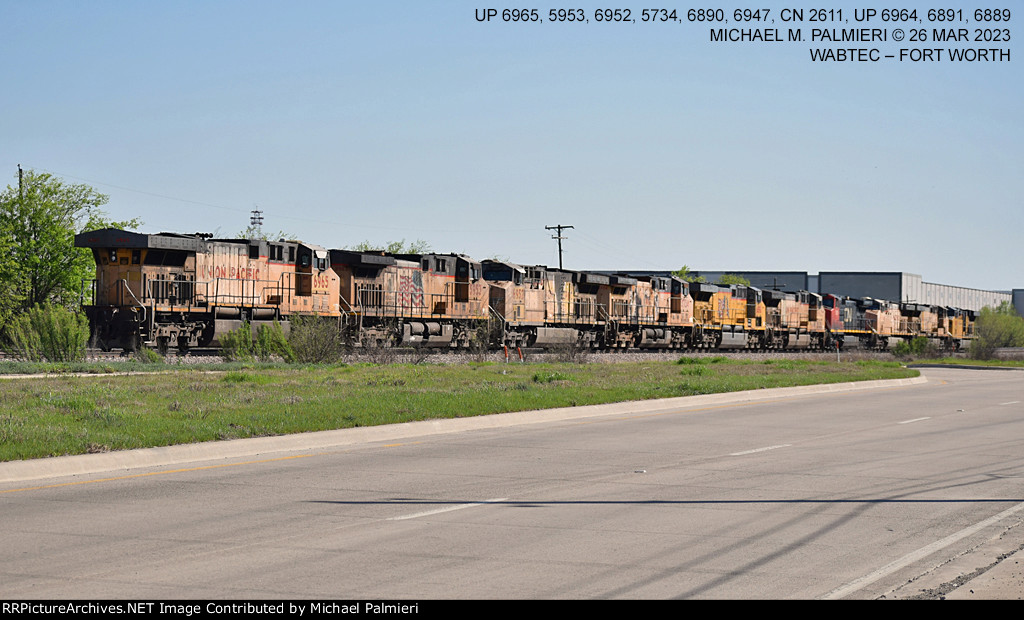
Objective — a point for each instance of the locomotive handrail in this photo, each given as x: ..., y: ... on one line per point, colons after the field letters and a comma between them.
x: 390, y: 303
x: 92, y: 292
x: 252, y: 298
x: 129, y: 289
x: 188, y: 291
x: 499, y: 317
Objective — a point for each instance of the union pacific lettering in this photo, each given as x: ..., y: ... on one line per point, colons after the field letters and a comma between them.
x: 231, y: 272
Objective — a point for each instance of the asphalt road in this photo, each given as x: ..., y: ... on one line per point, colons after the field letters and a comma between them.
x: 888, y: 491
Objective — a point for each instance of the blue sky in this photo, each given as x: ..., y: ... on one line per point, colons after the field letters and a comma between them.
x: 347, y: 121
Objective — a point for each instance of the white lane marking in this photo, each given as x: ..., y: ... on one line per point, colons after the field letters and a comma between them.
x: 427, y: 513
x: 914, y: 556
x: 1012, y: 402
x: 785, y: 445
x: 914, y: 420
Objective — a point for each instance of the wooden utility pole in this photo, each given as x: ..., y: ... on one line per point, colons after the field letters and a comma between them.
x: 559, y: 236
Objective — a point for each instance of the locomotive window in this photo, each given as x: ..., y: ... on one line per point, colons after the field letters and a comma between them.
x: 498, y: 275
x: 170, y: 258
x: 442, y: 265
x: 254, y: 251
x: 291, y: 254
x: 175, y: 259
x: 136, y: 256
x: 426, y: 265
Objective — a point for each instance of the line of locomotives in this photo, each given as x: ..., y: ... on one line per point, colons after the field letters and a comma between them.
x: 178, y: 290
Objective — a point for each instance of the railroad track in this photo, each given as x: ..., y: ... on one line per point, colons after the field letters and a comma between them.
x: 408, y: 355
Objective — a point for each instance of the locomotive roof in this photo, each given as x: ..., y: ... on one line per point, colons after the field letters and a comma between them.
x: 584, y: 277
x: 512, y: 266
x: 770, y: 295
x: 464, y: 257
x: 117, y: 238
x: 706, y: 287
x: 355, y: 257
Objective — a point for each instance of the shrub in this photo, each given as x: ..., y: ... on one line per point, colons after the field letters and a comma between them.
x: 237, y: 346
x: 148, y: 356
x: 53, y: 333
x: 315, y: 340
x: 271, y: 341
x: 995, y: 328
x: 915, y: 348
x: 571, y: 352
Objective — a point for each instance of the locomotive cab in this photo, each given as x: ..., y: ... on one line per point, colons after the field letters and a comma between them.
x: 134, y: 272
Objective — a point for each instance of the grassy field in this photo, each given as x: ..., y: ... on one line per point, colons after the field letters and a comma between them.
x: 66, y: 414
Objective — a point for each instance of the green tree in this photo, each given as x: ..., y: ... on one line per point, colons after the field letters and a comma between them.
x: 10, y: 296
x: 395, y: 247
x: 38, y: 222
x: 252, y: 232
x: 995, y: 328
x: 732, y: 278
x: 685, y: 274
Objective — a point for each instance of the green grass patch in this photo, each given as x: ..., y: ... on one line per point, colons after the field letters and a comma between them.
x: 67, y: 414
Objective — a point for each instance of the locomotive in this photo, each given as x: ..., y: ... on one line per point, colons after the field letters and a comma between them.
x: 187, y: 290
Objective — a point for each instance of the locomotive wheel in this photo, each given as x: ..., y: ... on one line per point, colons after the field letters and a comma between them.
x: 206, y: 338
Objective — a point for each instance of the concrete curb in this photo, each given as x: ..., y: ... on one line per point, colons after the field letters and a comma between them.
x: 35, y: 469
x: 965, y: 366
